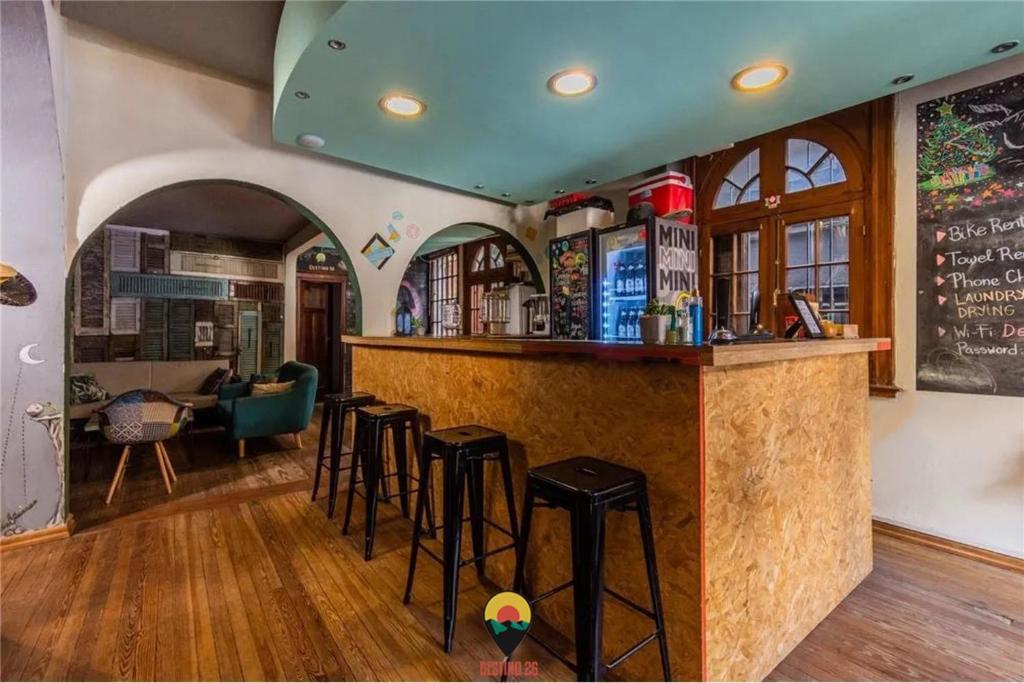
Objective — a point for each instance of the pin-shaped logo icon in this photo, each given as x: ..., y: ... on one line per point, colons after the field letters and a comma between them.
x: 507, y: 618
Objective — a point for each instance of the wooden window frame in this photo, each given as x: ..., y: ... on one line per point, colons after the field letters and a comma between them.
x: 861, y: 137
x: 488, y: 277
x: 436, y: 317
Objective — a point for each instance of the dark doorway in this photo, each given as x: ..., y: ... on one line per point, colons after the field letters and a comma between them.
x: 321, y: 312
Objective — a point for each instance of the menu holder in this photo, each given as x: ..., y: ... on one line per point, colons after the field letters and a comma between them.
x: 809, y: 318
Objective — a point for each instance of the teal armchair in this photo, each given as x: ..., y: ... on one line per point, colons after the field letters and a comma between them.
x: 247, y: 416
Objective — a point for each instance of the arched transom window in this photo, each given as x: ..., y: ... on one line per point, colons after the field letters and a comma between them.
x: 742, y: 184
x: 810, y: 165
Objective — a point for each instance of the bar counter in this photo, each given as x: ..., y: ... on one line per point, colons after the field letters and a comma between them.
x: 757, y: 461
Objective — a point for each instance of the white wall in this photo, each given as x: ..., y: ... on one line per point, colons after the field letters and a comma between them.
x: 951, y: 465
x: 139, y: 121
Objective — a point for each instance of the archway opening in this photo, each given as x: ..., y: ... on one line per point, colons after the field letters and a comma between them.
x: 194, y: 291
x: 468, y: 279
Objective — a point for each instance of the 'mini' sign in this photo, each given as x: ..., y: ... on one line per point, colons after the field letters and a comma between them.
x: 677, y: 258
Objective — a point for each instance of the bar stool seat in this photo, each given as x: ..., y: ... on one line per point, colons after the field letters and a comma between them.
x: 372, y: 421
x: 336, y: 408
x: 463, y: 451
x: 588, y: 488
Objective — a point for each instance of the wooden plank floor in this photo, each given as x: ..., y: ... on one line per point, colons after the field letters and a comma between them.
x: 248, y: 580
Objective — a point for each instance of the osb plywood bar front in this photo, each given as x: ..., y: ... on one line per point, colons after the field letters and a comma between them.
x: 759, y: 475
x: 640, y: 415
x: 787, y: 505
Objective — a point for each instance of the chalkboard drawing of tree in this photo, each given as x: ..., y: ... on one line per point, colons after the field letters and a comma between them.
x: 955, y: 152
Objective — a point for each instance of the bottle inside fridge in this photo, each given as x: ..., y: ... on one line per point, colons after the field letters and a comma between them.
x: 623, y: 279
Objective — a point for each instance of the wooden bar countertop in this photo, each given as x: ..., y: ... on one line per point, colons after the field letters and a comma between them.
x: 707, y: 355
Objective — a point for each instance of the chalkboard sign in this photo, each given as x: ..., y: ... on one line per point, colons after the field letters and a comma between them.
x: 570, y: 260
x: 970, y: 236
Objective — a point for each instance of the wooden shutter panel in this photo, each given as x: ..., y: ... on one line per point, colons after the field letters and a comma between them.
x: 225, y: 319
x: 92, y: 349
x: 180, y: 332
x: 124, y: 249
x: 91, y: 287
x: 153, y: 286
x: 257, y: 291
x: 153, y: 330
x: 155, y: 252
x: 124, y: 346
x: 124, y: 316
x: 272, y: 337
x: 248, y: 342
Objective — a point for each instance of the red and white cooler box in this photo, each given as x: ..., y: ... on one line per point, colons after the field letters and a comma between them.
x: 670, y: 194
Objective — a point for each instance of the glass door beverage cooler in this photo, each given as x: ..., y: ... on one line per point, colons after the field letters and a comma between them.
x: 571, y: 260
x: 655, y: 259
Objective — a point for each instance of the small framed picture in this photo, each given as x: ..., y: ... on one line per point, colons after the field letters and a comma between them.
x: 808, y: 316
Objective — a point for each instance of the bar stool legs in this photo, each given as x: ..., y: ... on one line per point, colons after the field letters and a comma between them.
x: 589, y: 489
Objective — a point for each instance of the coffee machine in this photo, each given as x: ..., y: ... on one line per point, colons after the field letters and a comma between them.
x: 503, y: 310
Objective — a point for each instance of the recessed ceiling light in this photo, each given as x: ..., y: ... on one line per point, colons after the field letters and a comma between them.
x: 572, y: 82
x: 591, y: 181
x: 759, y: 77
x: 302, y: 94
x: 559, y: 191
x: 336, y: 44
x: 1005, y: 47
x: 506, y: 194
x: 905, y: 78
x: 478, y: 187
x: 405, y: 106
x: 310, y: 140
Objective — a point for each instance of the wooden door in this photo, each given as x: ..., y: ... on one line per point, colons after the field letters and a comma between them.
x: 314, y: 338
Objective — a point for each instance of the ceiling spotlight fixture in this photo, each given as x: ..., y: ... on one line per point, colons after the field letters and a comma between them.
x: 759, y: 77
x: 336, y: 44
x: 559, y: 191
x: 1005, y: 47
x: 302, y: 94
x: 905, y: 78
x: 310, y: 140
x: 506, y: 194
x: 478, y: 187
x: 591, y: 181
x: 406, y: 106
x: 572, y: 82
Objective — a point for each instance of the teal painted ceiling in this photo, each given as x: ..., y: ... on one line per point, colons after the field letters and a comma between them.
x: 663, y: 72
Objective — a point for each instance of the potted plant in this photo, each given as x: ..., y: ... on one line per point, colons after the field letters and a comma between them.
x: 654, y: 322
x: 418, y: 328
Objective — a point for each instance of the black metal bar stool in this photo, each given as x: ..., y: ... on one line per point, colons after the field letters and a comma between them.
x: 336, y: 409
x: 463, y: 451
x: 368, y: 455
x: 588, y: 488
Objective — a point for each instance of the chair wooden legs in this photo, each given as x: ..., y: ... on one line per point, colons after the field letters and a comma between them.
x: 167, y: 461
x: 163, y: 465
x: 118, y: 473
x: 298, y: 440
x: 241, y: 448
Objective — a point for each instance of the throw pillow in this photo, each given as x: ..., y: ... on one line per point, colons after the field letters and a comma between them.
x: 85, y: 389
x: 213, y: 381
x: 265, y: 378
x: 271, y: 388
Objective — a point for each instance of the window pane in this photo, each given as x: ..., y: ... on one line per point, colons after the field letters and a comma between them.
x: 497, y: 259
x: 752, y: 192
x: 828, y: 172
x: 796, y: 181
x: 803, y: 154
x: 834, y: 240
x: 477, y: 264
x: 748, y: 254
x: 746, y: 292
x: 800, y: 280
x: 741, y: 184
x: 840, y: 277
x: 722, y: 254
x: 727, y: 195
x: 748, y: 167
x: 799, y: 244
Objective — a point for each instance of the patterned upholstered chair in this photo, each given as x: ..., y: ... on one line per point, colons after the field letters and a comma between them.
x: 139, y: 417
